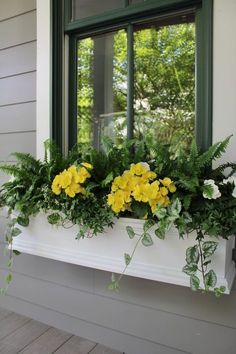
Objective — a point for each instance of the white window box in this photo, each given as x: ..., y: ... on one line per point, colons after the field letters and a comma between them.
x: 161, y: 262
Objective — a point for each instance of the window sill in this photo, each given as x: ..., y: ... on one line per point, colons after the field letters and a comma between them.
x: 161, y: 262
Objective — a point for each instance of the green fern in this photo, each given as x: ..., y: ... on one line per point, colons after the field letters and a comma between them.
x: 10, y: 170
x: 213, y: 153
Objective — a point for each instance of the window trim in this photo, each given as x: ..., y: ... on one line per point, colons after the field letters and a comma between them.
x: 62, y: 27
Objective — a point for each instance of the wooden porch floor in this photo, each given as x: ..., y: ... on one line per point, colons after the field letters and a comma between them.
x: 19, y: 334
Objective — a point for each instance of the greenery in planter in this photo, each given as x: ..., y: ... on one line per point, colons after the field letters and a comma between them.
x: 92, y: 188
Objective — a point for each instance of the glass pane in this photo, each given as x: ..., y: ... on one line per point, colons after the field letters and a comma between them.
x: 86, y: 8
x: 165, y: 82
x: 102, y: 88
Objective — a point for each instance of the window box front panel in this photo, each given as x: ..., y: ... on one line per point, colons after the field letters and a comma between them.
x: 161, y: 262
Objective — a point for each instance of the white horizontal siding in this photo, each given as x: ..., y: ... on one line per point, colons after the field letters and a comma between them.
x: 11, y: 8
x: 18, y: 30
x: 17, y: 60
x: 18, y: 118
x: 22, y: 142
x: 17, y: 89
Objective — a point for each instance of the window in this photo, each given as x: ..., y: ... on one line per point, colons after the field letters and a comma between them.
x: 135, y: 69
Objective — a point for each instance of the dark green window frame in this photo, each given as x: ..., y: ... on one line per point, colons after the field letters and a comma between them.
x: 62, y: 26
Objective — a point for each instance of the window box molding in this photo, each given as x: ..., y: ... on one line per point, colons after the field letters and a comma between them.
x: 163, y: 261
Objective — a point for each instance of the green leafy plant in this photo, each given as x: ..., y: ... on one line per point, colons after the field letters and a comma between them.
x: 138, y: 179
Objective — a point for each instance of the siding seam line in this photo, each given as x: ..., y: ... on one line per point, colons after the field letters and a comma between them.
x: 18, y: 132
x: 16, y: 103
x: 18, y: 74
x: 18, y: 45
x: 17, y: 15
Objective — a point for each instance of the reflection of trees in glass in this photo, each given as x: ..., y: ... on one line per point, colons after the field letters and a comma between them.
x: 164, y: 84
x: 84, y: 90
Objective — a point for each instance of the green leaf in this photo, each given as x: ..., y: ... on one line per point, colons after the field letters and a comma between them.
x: 192, y: 254
x: 17, y: 253
x: 208, y: 191
x: 10, y: 263
x: 161, y: 213
x: 114, y: 285
x: 219, y: 291
x: 194, y: 282
x: 148, y: 224
x: 160, y: 233
x: 147, y: 240
x: 175, y: 207
x: 140, y: 209
x: 8, y: 278
x: 130, y: 232
x: 209, y: 248
x: 15, y: 232
x: 127, y: 259
x: 12, y: 222
x: 210, y: 279
x: 23, y: 220
x: 53, y: 218
x: 109, y: 178
x: 190, y: 269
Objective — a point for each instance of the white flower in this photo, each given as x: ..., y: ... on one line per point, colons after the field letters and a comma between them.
x: 12, y: 179
x: 214, y: 193
x: 231, y: 180
x: 146, y: 165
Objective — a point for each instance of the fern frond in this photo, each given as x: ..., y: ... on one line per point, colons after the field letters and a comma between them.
x: 213, y: 153
x: 26, y: 159
x: 221, y: 147
x: 193, y: 151
x: 51, y: 149
x: 220, y: 169
x: 10, y: 170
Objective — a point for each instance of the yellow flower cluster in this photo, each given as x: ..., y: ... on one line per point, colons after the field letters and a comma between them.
x: 140, y: 184
x: 71, y: 180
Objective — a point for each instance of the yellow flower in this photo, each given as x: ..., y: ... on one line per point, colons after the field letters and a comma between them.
x: 117, y: 201
x: 172, y: 188
x: 73, y: 189
x: 87, y: 165
x: 75, y: 175
x: 164, y: 191
x: 110, y: 199
x: 148, y: 176
x: 65, y: 179
x: 167, y: 182
x: 83, y: 174
x: 138, y: 169
x: 56, y: 187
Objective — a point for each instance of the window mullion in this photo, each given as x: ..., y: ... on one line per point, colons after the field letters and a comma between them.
x: 72, y: 91
x: 130, y: 81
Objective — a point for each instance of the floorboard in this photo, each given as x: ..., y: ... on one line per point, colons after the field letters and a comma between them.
x: 47, y: 343
x: 11, y: 323
x: 100, y: 349
x: 76, y: 345
x: 22, y: 335
x: 4, y: 313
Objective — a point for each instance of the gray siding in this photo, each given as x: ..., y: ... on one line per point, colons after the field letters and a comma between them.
x: 144, y: 317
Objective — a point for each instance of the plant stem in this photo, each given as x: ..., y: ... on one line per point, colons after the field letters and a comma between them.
x: 131, y: 257
x: 202, y: 260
